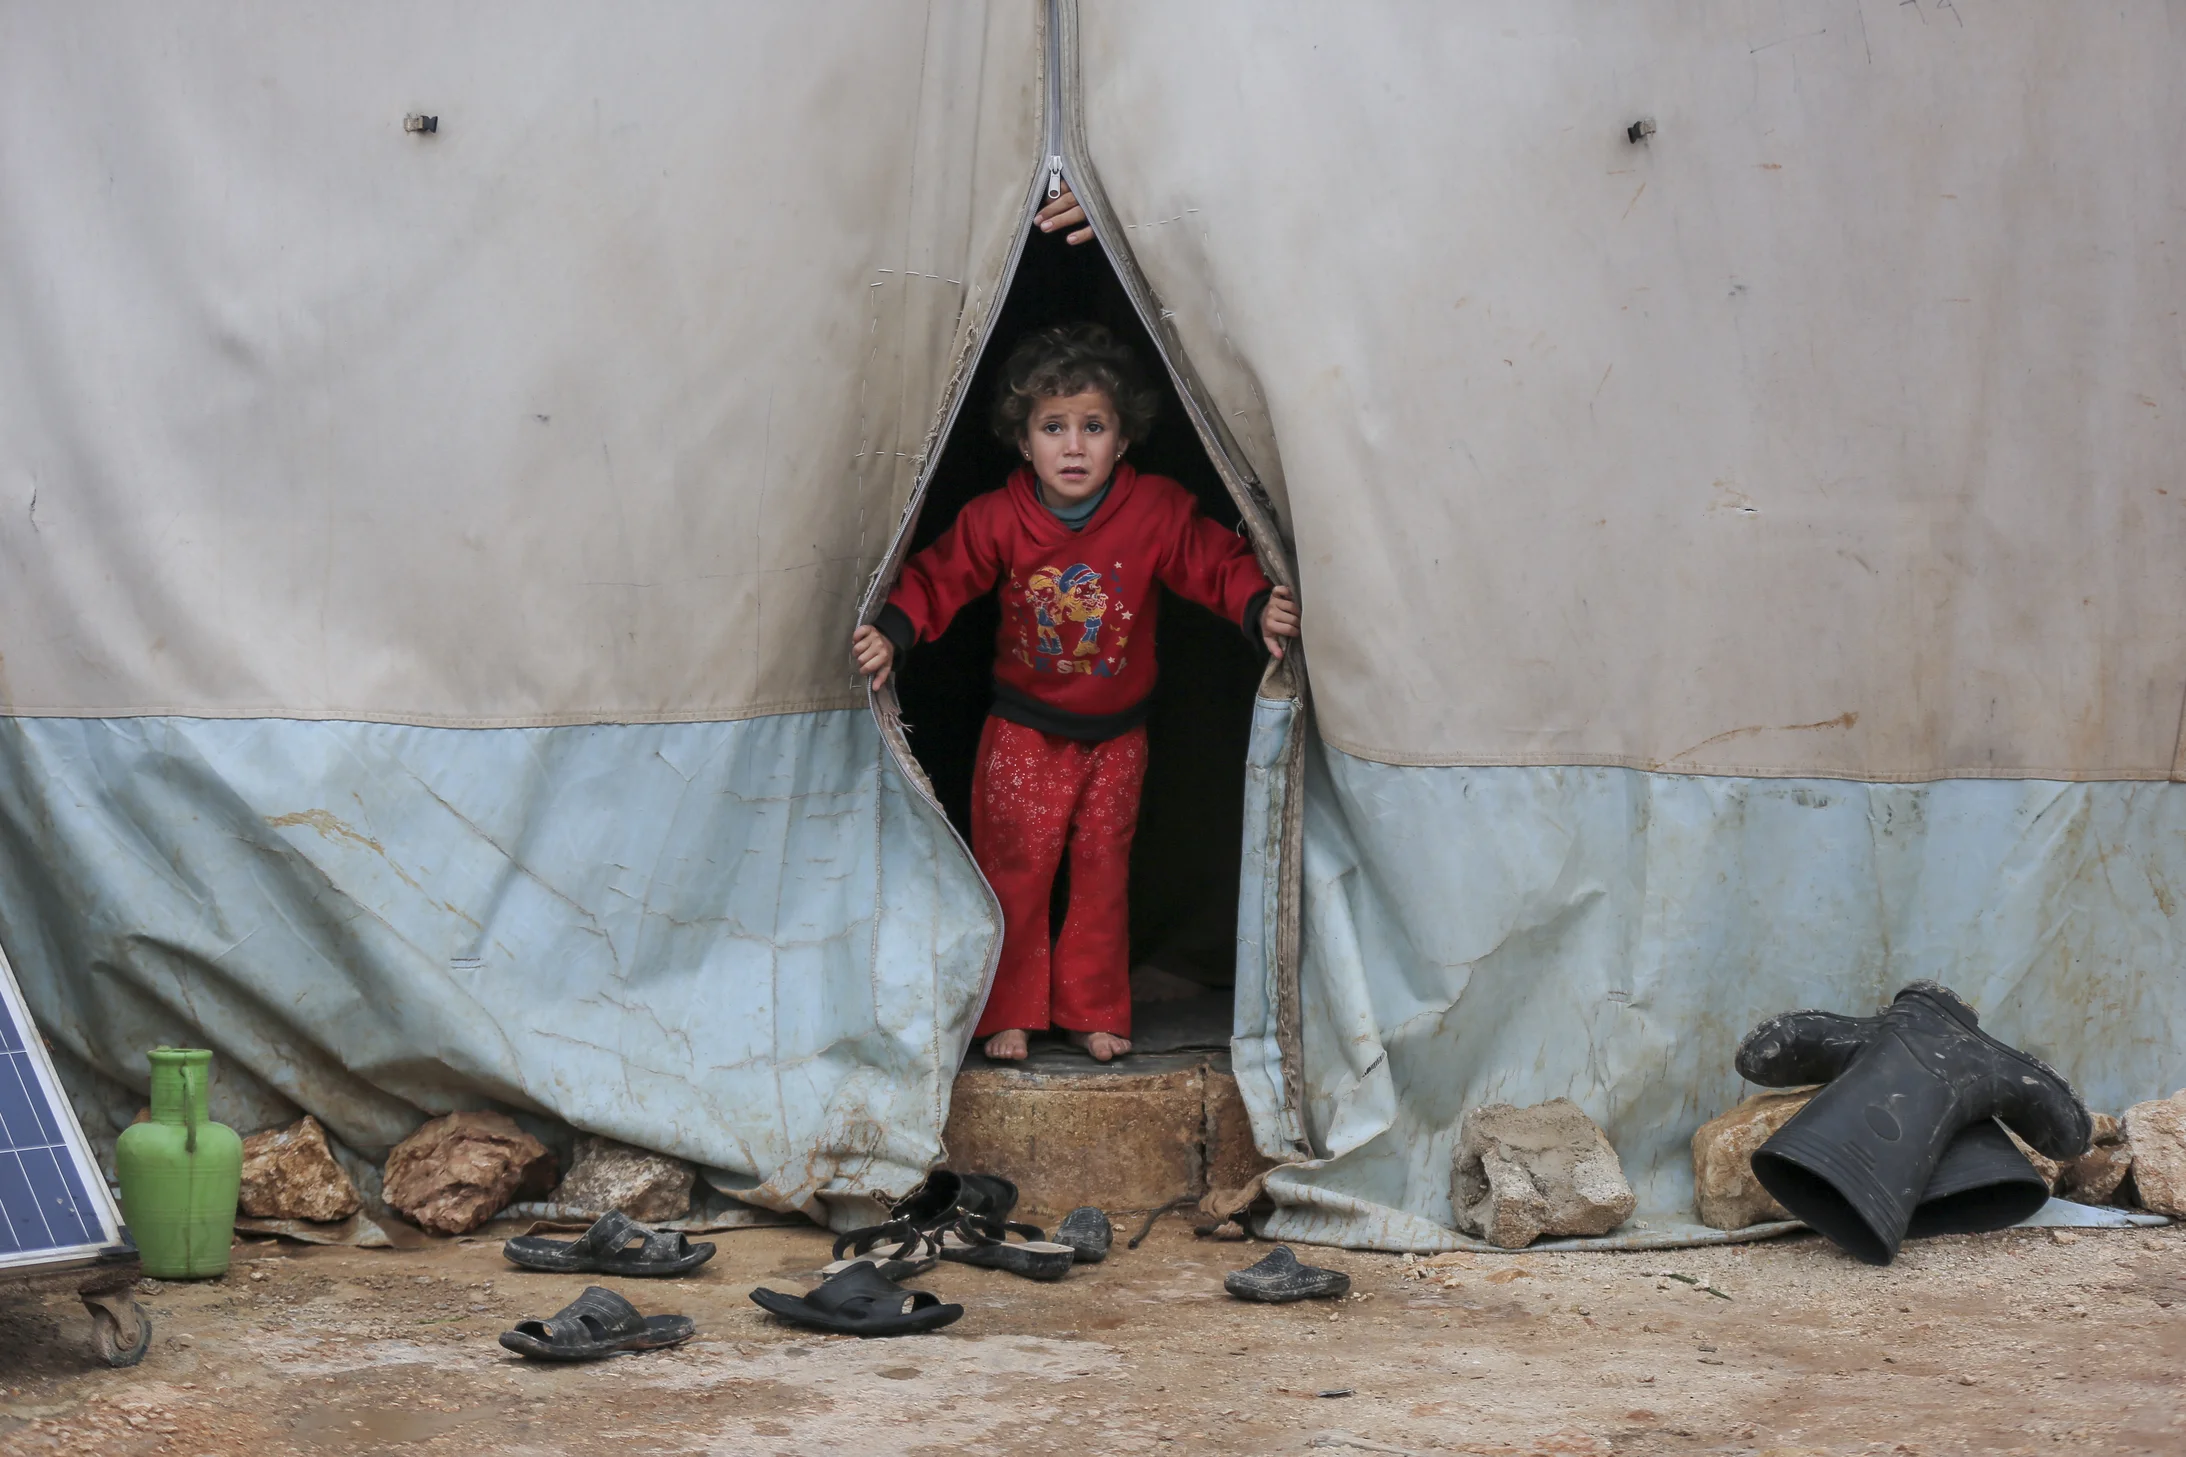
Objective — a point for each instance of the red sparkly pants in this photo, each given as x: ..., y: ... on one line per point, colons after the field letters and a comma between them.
x: 1033, y: 794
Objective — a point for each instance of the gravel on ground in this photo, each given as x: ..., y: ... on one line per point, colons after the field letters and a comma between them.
x: 2020, y: 1342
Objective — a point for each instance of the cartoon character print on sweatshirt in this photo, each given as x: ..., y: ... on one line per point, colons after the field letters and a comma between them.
x: 1069, y: 607
x: 1063, y: 596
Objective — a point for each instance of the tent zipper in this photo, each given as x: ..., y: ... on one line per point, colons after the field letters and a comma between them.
x: 1053, y: 114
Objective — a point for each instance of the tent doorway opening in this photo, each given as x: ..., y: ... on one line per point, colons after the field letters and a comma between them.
x: 1186, y: 857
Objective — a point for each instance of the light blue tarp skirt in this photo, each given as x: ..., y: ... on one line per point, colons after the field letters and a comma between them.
x: 1477, y: 935
x: 743, y: 943
x: 751, y: 945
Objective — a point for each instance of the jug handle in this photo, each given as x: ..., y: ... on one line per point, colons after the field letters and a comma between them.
x: 189, y: 1113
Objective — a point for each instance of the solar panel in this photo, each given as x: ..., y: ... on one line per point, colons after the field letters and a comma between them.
x: 53, y: 1203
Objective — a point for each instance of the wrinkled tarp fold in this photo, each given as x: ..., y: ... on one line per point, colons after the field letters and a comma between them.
x: 744, y: 944
x: 1606, y: 935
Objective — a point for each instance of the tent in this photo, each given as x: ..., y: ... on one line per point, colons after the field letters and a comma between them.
x: 1725, y: 454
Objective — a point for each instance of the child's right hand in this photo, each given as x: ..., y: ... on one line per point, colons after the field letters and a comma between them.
x: 875, y: 654
x: 1065, y: 212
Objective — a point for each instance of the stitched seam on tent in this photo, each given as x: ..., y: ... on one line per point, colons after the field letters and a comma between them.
x: 575, y: 717
x: 1397, y: 759
x: 2178, y: 754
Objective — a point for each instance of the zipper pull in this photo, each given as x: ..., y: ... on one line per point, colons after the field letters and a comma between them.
x: 1054, y: 178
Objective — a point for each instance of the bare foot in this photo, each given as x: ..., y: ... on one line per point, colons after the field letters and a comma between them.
x: 1008, y: 1046
x: 1101, y: 1046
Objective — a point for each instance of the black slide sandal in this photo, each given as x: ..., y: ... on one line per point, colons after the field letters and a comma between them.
x: 597, y: 1323
x: 860, y: 1302
x: 604, y: 1249
x: 977, y: 1240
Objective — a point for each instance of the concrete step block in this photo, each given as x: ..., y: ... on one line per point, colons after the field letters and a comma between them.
x: 1122, y: 1139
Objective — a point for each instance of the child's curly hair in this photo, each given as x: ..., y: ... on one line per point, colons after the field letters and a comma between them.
x: 1068, y: 359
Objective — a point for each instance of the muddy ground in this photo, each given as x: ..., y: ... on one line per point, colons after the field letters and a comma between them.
x: 2003, y: 1343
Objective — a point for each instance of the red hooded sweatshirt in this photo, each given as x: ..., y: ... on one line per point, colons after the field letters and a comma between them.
x: 1075, y: 655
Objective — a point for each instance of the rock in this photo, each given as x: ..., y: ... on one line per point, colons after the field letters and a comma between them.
x: 1724, y: 1188
x: 2095, y: 1176
x: 1525, y: 1172
x: 2050, y: 1170
x: 290, y: 1173
x: 2155, y: 1137
x: 604, y: 1175
x: 457, y: 1172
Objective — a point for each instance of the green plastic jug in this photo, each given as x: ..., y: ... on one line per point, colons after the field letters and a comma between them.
x: 180, y: 1173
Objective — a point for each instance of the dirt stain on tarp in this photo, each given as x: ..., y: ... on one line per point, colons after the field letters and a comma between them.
x: 332, y: 828
x: 1843, y: 720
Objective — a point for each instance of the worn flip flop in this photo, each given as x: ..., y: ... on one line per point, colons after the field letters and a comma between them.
x: 606, y: 1249
x: 915, y: 1253
x: 860, y: 1302
x: 932, y: 1204
x: 597, y: 1323
x: 1087, y: 1231
x: 988, y: 1194
x: 937, y: 1202
x: 1279, y: 1279
x: 976, y: 1239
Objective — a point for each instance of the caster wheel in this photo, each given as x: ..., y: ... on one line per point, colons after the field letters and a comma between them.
x: 116, y: 1346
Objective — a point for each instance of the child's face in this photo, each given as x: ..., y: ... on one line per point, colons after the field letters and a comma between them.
x: 1074, y: 443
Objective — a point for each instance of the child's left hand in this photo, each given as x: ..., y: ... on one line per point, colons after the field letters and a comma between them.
x: 1278, y: 620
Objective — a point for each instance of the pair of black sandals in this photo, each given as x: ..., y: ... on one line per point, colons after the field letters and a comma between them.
x: 960, y: 1218
x: 601, y: 1323
x: 860, y: 1298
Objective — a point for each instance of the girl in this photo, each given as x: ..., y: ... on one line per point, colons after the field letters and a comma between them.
x: 1079, y: 545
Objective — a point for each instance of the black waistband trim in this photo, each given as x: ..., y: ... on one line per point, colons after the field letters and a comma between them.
x: 1020, y: 707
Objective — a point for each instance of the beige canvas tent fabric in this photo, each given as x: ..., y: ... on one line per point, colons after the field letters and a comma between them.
x: 304, y: 415
x: 1834, y: 429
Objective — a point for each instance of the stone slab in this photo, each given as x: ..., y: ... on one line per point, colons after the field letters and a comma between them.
x: 1121, y: 1140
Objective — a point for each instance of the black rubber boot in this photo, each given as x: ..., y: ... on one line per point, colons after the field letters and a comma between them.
x: 1983, y: 1183
x: 1856, y: 1160
x: 1796, y: 1048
